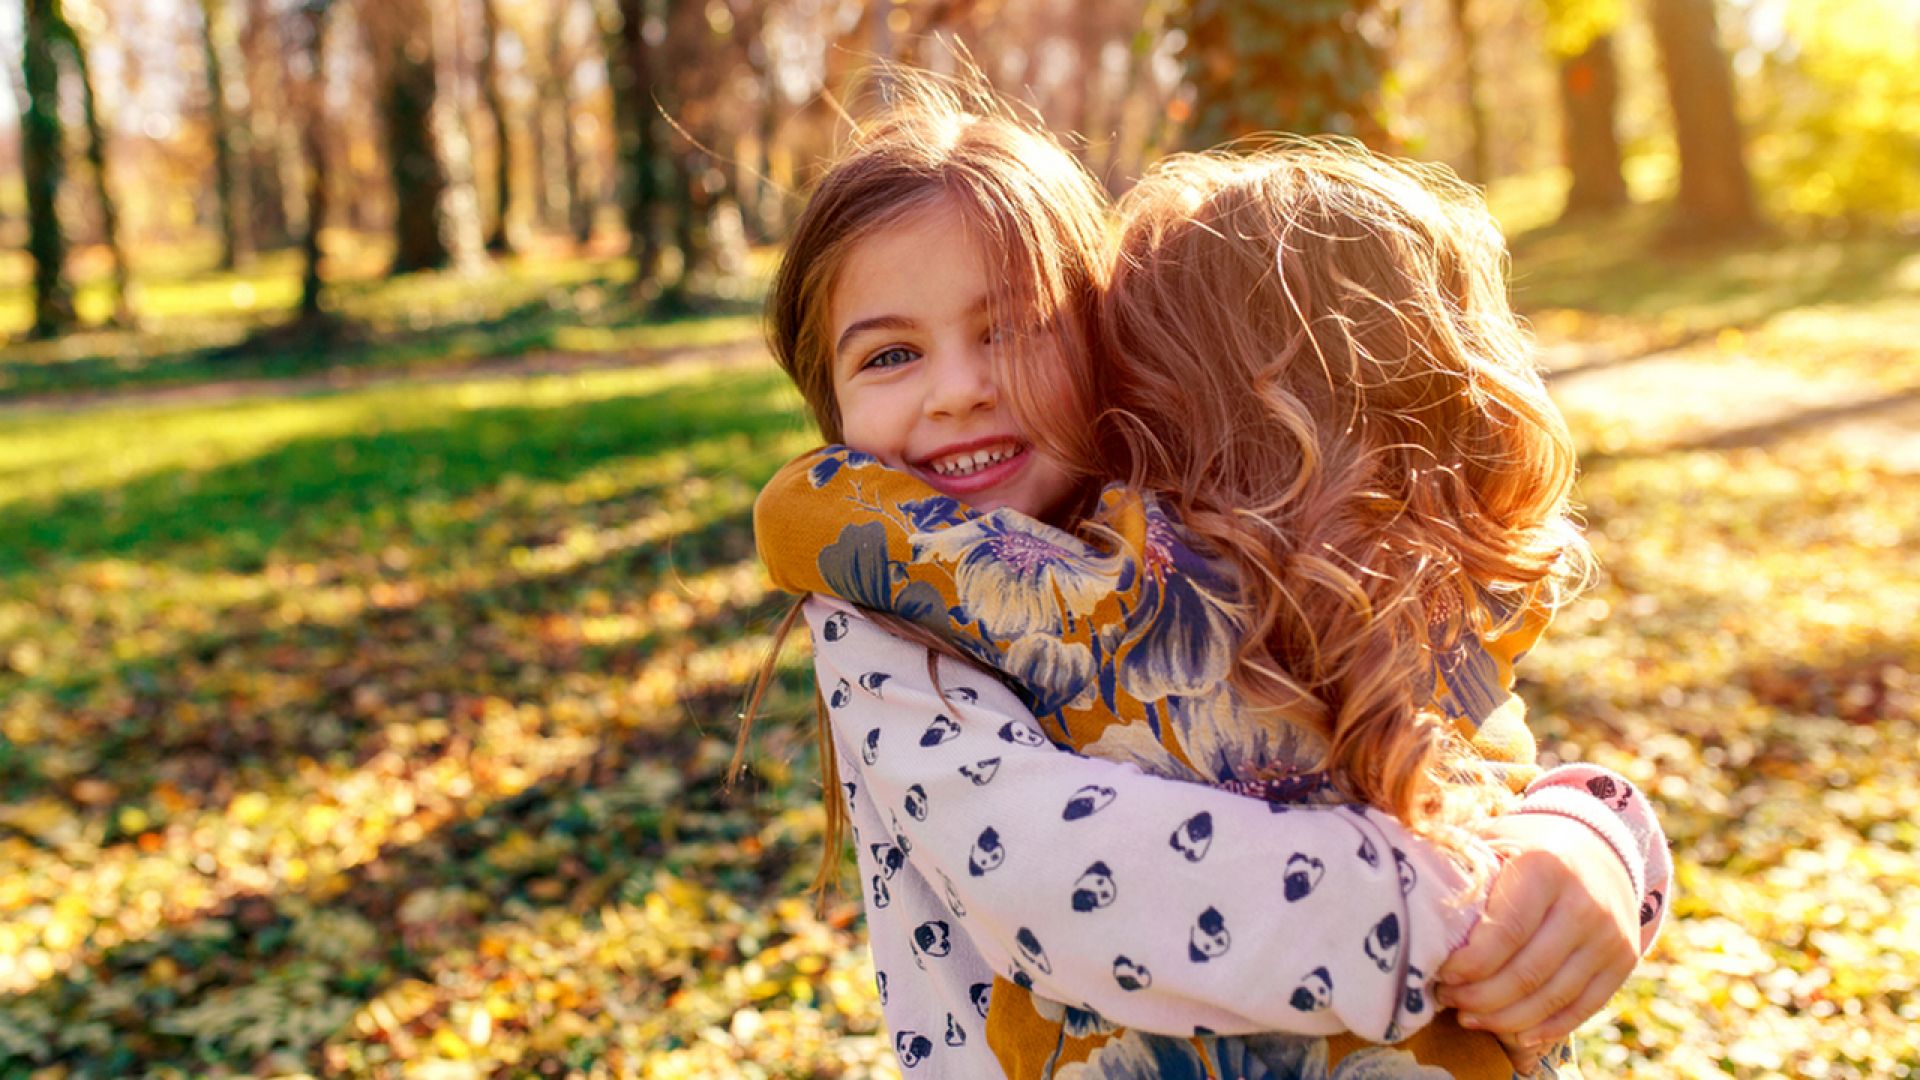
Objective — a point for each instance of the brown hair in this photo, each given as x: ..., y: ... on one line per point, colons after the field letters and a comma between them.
x: 1310, y: 351
x: 1043, y: 220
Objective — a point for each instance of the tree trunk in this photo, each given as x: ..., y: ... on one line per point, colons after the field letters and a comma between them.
x: 405, y: 44
x: 261, y: 52
x: 1716, y: 193
x: 1479, y: 141
x: 500, y: 239
x: 229, y: 143
x: 1590, y: 143
x: 561, y: 62
x: 44, y: 163
x: 103, y: 191
x: 631, y: 75
x: 460, y: 202
x: 314, y: 135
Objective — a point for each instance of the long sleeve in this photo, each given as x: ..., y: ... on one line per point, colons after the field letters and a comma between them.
x: 1612, y: 806
x: 1151, y: 903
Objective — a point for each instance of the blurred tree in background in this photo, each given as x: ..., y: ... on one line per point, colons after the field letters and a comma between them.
x: 679, y: 133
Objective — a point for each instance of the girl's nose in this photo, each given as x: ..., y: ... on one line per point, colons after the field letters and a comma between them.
x: 963, y: 383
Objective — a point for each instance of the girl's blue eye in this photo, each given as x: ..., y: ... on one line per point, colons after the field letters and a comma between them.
x: 891, y: 357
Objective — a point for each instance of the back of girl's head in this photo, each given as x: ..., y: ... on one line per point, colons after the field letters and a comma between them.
x: 1310, y: 348
x: 1040, y: 216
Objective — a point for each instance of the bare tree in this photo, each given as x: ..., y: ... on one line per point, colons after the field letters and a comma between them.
x: 1716, y: 192
x: 436, y: 221
x: 102, y: 189
x: 1590, y: 142
x: 562, y: 67
x: 230, y: 140
x: 44, y: 162
x: 313, y: 107
x: 630, y: 72
x: 500, y: 237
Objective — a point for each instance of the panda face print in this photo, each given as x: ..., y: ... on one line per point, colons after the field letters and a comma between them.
x: 981, y: 772
x: 870, y: 747
x: 851, y: 789
x: 1615, y: 793
x: 1131, y: 976
x: 1650, y: 906
x: 1031, y: 952
x: 890, y: 858
x: 933, y: 938
x: 943, y: 729
x: 964, y: 693
x: 981, y: 994
x: 882, y: 896
x: 1087, y: 801
x: 880, y: 983
x: 1020, y: 734
x: 1095, y: 889
x: 1404, y: 866
x: 956, y: 1035
x: 987, y: 854
x: 1194, y: 836
x: 1209, y: 939
x: 1368, y: 853
x: 842, y: 693
x: 916, y: 803
x: 1303, y: 875
x: 912, y: 1048
x: 953, y: 898
x: 835, y: 627
x: 872, y: 681
x: 1415, y: 1001
x: 1383, y: 943
x: 1314, y: 993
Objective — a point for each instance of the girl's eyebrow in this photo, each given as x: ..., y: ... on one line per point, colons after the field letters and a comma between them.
x: 878, y: 322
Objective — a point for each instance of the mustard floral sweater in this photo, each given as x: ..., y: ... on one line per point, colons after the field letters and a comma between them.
x: 1119, y: 645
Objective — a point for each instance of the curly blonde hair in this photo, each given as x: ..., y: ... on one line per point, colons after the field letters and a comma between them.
x: 1308, y: 349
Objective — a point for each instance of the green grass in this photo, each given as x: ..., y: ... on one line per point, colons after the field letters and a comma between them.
x: 200, y: 324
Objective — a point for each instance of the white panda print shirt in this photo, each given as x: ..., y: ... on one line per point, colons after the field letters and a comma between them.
x: 1149, y: 902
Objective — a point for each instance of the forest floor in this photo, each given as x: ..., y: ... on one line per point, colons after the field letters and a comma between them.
x: 371, y: 720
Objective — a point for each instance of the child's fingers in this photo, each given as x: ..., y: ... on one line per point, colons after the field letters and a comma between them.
x: 1552, y: 952
x: 1517, y: 1008
x: 1591, y: 1001
x: 1512, y: 918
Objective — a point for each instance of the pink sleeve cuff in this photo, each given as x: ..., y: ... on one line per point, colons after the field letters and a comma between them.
x: 1620, y: 814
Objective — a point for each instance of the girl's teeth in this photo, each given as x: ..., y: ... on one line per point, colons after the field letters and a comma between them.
x: 968, y: 464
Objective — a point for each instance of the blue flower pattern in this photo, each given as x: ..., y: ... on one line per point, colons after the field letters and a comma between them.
x: 1027, y: 596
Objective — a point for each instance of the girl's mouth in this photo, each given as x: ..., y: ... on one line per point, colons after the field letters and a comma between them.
x: 975, y: 468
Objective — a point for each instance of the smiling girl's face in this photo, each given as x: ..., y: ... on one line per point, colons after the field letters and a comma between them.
x: 913, y: 342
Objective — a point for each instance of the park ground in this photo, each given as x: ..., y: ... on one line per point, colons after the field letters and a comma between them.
x: 364, y: 705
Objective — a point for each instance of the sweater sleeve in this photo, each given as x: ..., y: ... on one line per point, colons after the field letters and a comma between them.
x: 1155, y: 904
x: 1621, y: 813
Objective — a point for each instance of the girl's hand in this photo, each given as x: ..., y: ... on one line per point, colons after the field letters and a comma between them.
x: 1560, y: 934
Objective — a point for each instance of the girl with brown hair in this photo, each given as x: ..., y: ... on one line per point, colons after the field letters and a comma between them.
x: 1345, y: 519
